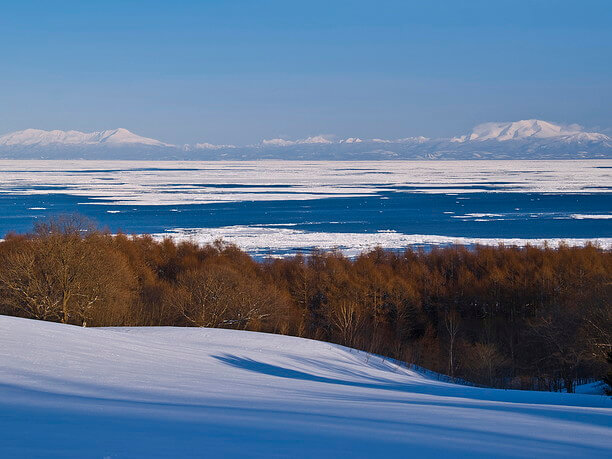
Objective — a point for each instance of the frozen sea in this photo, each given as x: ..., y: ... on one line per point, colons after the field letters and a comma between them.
x: 279, y: 207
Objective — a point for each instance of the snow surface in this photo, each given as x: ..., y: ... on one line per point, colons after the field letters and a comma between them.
x: 187, y: 392
x: 593, y: 388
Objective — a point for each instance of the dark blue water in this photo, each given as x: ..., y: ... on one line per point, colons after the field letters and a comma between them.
x: 524, y: 215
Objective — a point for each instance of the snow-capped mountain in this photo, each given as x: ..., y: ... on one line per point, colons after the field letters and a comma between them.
x: 112, y: 137
x: 529, y: 129
x: 319, y: 139
x: 525, y: 139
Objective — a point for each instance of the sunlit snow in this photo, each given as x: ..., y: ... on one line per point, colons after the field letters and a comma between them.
x: 185, y: 392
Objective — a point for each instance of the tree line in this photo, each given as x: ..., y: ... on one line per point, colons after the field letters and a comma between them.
x: 524, y: 318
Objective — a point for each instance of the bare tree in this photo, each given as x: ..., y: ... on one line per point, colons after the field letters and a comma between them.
x: 347, y: 318
x: 60, y: 275
x: 451, y: 324
x: 485, y: 360
x: 219, y: 296
x: 562, y: 347
x: 203, y: 297
x: 28, y: 286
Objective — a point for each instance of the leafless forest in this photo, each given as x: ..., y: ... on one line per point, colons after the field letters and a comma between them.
x: 525, y: 318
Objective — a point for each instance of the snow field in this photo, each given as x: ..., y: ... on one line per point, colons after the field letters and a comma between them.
x: 187, y: 392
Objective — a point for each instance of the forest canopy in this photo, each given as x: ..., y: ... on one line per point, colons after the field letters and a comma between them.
x: 512, y: 317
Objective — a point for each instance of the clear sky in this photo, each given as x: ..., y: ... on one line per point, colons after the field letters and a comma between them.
x: 240, y: 71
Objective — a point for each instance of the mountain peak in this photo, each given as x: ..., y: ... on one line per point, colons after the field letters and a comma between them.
x: 112, y: 137
x: 528, y: 129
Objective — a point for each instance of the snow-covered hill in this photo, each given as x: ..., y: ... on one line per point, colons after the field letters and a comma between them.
x: 525, y: 139
x: 184, y: 392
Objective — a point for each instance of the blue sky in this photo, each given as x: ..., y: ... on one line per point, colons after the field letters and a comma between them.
x: 240, y: 71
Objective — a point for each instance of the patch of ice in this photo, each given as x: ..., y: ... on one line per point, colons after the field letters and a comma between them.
x: 477, y: 215
x: 591, y: 216
x: 259, y: 239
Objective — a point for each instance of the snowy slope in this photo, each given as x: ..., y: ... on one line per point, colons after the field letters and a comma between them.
x: 176, y: 392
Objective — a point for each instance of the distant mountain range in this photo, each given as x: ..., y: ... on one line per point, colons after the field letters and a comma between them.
x: 526, y: 139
